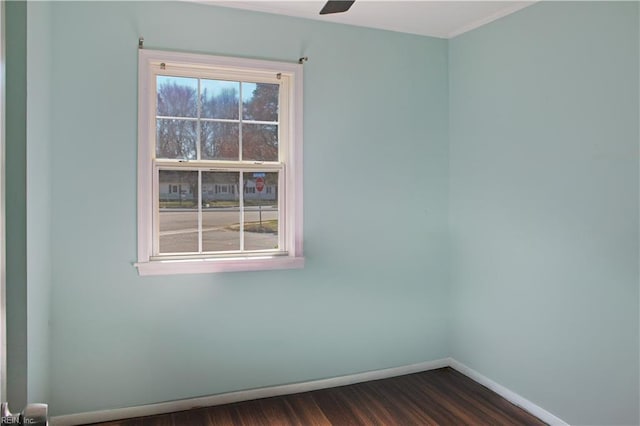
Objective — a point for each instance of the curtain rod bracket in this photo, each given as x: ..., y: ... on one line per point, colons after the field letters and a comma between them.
x: 141, y: 43
x: 302, y: 60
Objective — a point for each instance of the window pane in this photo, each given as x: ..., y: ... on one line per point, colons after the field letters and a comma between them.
x: 260, y: 101
x: 220, y: 211
x: 178, y: 192
x: 219, y: 141
x: 260, y: 211
x: 176, y: 138
x: 259, y: 142
x: 219, y: 99
x: 177, y: 96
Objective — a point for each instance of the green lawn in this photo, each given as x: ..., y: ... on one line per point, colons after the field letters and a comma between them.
x: 267, y: 226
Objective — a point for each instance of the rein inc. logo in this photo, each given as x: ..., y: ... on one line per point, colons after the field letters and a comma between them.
x: 17, y: 420
x: 33, y: 414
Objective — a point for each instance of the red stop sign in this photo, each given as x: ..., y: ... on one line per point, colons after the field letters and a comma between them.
x: 259, y: 184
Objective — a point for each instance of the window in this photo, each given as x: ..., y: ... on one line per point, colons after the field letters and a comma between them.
x: 219, y: 164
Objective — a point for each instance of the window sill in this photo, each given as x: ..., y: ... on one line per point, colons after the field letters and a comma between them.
x: 204, y: 266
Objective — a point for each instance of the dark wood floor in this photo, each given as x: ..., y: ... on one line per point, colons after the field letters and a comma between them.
x: 436, y: 397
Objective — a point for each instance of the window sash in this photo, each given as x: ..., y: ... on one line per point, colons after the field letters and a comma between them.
x: 232, y: 167
x: 240, y: 165
x: 240, y: 77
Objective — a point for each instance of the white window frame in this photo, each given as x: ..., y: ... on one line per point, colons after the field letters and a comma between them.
x: 291, y: 255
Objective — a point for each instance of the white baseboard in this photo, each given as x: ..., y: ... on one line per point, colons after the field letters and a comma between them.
x: 508, y: 394
x: 246, y: 395
x: 266, y: 392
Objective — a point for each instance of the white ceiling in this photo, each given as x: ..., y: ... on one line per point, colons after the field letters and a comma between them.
x: 443, y: 19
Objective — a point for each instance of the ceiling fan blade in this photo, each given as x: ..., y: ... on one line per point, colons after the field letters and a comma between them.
x: 336, y: 6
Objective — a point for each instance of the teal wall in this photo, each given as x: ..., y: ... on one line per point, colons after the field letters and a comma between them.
x: 39, y: 106
x: 544, y: 206
x: 372, y: 294
x: 476, y: 198
x: 16, y: 202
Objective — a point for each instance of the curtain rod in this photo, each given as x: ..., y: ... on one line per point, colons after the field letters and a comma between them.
x: 301, y: 61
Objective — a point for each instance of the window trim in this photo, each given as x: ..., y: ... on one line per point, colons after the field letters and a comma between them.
x: 292, y: 159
